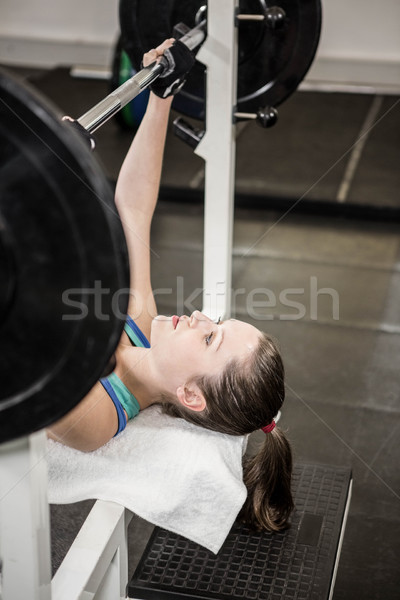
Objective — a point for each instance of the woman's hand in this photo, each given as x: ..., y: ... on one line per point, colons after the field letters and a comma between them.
x: 155, y: 54
x: 177, y: 60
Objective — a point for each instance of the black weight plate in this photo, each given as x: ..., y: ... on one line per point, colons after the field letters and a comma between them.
x: 63, y: 261
x: 271, y: 63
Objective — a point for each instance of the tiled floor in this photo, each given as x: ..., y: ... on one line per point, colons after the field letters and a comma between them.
x: 336, y: 282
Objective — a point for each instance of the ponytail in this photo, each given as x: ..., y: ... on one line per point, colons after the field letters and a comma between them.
x: 267, y: 476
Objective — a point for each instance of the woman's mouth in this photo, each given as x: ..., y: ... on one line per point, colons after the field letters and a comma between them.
x: 175, y: 321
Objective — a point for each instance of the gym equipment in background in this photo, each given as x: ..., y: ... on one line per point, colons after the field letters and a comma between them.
x: 276, y: 47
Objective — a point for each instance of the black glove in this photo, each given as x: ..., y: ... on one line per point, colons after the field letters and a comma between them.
x: 177, y: 61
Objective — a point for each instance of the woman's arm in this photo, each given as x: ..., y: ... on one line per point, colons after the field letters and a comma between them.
x: 94, y: 420
x: 136, y: 197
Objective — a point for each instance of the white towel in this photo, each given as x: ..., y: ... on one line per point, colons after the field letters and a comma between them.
x: 174, y: 474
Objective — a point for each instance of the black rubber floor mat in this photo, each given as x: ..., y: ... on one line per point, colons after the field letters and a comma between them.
x: 298, y: 563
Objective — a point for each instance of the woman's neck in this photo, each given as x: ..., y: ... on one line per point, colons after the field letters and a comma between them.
x: 133, y: 368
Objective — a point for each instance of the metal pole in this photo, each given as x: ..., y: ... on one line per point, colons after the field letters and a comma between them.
x: 111, y: 104
x: 96, y: 565
x: 106, y: 108
x: 217, y: 147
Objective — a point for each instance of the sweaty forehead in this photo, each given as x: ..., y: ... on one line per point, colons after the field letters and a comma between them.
x: 244, y: 335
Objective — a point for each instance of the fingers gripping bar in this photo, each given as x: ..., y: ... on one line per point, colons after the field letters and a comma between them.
x: 111, y: 104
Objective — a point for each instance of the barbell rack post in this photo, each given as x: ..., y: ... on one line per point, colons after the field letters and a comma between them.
x: 218, y: 149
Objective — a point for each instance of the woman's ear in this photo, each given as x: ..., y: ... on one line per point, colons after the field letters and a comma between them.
x: 191, y: 397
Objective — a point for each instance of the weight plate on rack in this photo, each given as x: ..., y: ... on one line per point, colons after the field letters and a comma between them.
x: 272, y: 61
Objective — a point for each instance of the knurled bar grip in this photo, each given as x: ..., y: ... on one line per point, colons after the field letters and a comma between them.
x: 111, y: 104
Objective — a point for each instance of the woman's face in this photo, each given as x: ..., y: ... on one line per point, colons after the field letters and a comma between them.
x: 184, y: 348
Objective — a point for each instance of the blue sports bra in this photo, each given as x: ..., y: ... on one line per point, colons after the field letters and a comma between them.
x: 116, y: 389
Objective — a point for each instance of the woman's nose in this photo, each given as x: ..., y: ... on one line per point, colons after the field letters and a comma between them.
x: 197, y: 318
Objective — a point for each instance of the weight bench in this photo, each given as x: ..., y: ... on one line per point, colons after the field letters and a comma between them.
x: 299, y: 563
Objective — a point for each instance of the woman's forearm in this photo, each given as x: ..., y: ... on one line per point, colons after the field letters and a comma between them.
x: 136, y: 197
x: 139, y: 179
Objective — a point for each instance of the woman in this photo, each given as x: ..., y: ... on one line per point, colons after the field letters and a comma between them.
x: 224, y: 376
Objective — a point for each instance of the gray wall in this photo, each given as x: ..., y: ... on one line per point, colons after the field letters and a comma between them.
x: 360, y: 40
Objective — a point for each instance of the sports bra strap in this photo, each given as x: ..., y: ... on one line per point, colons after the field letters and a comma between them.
x: 135, y: 334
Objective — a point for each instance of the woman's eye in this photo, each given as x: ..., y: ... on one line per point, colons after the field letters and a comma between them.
x: 209, y: 338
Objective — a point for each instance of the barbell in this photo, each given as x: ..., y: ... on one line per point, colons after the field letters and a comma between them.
x: 64, y: 273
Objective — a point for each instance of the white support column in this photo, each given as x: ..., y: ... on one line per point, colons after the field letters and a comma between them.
x: 24, y: 520
x: 217, y: 148
x: 96, y: 566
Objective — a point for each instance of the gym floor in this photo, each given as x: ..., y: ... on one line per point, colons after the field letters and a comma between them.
x: 317, y: 219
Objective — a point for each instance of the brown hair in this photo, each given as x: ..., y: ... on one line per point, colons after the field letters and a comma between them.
x: 244, y: 398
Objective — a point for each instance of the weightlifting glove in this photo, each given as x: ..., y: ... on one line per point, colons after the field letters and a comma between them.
x: 177, y: 61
